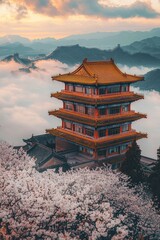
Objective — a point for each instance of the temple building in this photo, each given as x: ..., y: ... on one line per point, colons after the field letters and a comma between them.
x: 96, y: 115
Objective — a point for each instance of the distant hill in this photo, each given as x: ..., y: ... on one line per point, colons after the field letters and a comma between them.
x: 25, y: 64
x: 101, y: 40
x: 13, y: 39
x: 152, y: 81
x: 11, y: 48
x: 150, y: 46
x: 63, y: 54
x: 15, y: 57
x: 106, y: 40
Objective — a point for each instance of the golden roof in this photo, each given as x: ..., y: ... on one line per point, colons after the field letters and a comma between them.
x: 97, y: 121
x: 96, y: 143
x: 98, y: 100
x: 97, y: 73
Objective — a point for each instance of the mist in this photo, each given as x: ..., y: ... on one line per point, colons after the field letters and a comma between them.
x: 25, y: 102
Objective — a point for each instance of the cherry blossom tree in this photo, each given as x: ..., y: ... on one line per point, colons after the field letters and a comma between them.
x: 78, y: 204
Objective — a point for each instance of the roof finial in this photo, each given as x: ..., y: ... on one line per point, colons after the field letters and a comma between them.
x: 85, y: 60
x: 112, y: 60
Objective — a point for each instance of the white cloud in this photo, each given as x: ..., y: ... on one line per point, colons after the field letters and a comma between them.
x: 25, y: 100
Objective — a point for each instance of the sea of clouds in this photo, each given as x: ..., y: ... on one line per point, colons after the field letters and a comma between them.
x: 25, y: 102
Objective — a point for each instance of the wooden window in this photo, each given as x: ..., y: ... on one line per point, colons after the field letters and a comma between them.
x: 89, y: 132
x: 114, y: 110
x: 102, y: 91
x: 68, y: 125
x: 125, y: 108
x: 78, y: 128
x: 78, y: 89
x: 102, y: 133
x: 70, y: 88
x: 102, y: 111
x: 90, y: 111
x: 113, y: 131
x: 88, y: 90
x: 125, y: 128
x: 124, y: 146
x: 80, y: 108
x: 114, y: 89
x: 124, y: 88
x: 69, y: 106
x: 102, y: 153
x: 113, y: 150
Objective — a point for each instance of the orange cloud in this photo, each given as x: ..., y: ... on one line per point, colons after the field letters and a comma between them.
x: 82, y: 7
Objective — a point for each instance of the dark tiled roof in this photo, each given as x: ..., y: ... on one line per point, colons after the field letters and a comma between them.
x: 40, y: 152
x: 45, y: 139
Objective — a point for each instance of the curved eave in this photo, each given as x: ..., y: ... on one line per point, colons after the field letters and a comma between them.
x: 88, y: 80
x: 96, y: 143
x: 69, y: 78
x: 95, y: 121
x: 117, y: 98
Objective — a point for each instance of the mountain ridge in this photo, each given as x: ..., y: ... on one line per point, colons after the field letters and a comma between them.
x: 101, y: 40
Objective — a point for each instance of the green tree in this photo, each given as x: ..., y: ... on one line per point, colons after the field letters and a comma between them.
x: 154, y: 178
x: 132, y: 166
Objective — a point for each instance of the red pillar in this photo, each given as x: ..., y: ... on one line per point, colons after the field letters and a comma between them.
x: 95, y: 134
x: 107, y: 132
x: 96, y: 112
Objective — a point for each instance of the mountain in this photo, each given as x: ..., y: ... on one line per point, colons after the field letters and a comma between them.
x: 16, y: 58
x: 12, y: 48
x: 150, y: 46
x: 101, y: 40
x: 106, y: 40
x: 152, y: 81
x: 63, y: 54
x: 14, y: 38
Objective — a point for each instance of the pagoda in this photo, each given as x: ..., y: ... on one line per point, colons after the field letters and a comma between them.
x: 96, y: 115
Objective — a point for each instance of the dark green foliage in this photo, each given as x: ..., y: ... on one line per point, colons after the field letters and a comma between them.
x: 131, y: 166
x: 154, y: 178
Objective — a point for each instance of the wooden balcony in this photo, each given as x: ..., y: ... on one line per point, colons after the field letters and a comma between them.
x: 98, y: 99
x: 96, y: 143
x: 97, y: 121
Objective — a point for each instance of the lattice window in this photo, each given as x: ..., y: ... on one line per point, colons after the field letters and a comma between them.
x: 102, y: 133
x: 89, y: 132
x: 102, y: 111
x: 114, y: 89
x: 68, y: 125
x: 113, y: 150
x: 90, y: 111
x: 114, y: 110
x: 125, y: 128
x: 113, y: 131
x: 78, y: 89
x: 125, y: 108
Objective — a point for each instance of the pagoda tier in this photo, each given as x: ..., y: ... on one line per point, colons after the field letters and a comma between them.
x: 97, y: 100
x: 98, y: 143
x: 97, y: 73
x: 97, y: 121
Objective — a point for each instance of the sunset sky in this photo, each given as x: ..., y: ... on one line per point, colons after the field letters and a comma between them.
x: 59, y: 18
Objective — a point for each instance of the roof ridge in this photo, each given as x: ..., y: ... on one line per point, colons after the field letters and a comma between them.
x: 88, y: 70
x: 124, y: 74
